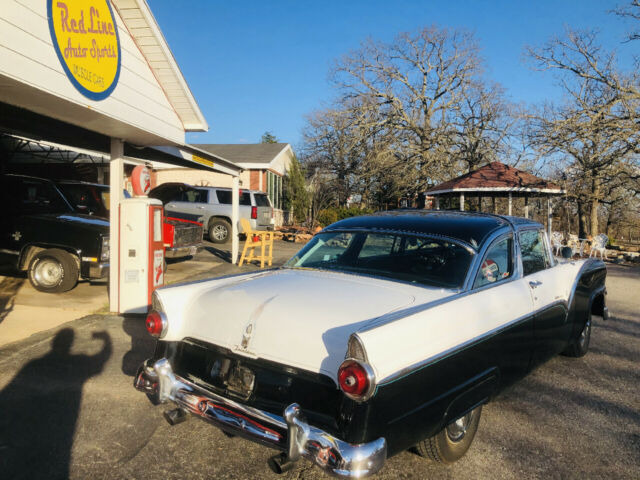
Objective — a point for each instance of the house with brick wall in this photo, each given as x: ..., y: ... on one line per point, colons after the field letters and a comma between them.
x: 264, y: 167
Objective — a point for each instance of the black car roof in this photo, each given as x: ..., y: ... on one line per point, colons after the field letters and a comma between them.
x: 470, y: 228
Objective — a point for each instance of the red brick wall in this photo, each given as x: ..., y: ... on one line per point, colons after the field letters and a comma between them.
x: 254, y: 179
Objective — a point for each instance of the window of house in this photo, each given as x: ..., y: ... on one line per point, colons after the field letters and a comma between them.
x: 274, y: 189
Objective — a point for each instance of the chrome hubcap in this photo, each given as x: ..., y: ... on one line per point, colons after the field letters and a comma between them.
x: 219, y: 232
x: 48, y: 273
x: 458, y: 429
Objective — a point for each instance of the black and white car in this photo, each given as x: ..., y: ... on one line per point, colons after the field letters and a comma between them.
x: 385, y: 332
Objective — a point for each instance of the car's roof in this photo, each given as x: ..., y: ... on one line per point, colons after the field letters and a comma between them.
x: 470, y: 228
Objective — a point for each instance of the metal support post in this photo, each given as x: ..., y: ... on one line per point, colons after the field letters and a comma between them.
x: 462, y: 201
x: 510, y: 203
x: 116, y: 186
x: 549, y: 215
x: 437, y: 202
x: 235, y: 200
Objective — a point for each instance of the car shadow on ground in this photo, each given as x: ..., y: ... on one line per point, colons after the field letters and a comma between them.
x: 142, y: 344
x: 40, y: 408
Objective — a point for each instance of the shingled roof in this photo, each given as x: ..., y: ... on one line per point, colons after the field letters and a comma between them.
x: 244, y: 153
x: 497, y: 177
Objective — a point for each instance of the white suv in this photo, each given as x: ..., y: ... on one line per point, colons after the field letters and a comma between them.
x: 213, y: 204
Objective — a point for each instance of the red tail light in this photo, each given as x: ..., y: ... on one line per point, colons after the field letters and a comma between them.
x: 254, y: 212
x: 355, y: 380
x: 272, y: 213
x: 155, y: 323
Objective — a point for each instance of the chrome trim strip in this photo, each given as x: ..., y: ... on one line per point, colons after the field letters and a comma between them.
x: 290, y: 432
x: 473, y: 341
x: 10, y: 252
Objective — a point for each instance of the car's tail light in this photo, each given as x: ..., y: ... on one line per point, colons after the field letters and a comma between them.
x: 356, y: 380
x: 156, y: 323
x: 272, y: 213
x: 254, y: 212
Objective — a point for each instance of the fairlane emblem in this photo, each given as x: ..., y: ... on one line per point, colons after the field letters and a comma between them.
x: 246, y: 336
x: 17, y: 236
x: 250, y: 327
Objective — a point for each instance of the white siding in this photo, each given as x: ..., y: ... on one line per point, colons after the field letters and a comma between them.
x: 200, y: 177
x: 27, y: 55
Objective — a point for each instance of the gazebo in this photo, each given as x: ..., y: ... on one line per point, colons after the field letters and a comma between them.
x: 497, y: 180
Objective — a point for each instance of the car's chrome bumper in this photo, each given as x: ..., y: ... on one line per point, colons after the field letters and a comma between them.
x: 179, y: 252
x: 289, y: 433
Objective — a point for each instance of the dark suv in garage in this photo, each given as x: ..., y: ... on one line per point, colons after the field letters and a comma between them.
x: 40, y: 232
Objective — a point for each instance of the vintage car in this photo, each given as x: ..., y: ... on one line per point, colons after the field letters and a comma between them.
x: 385, y: 332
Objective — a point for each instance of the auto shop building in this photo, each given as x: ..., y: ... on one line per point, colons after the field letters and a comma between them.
x: 98, y: 75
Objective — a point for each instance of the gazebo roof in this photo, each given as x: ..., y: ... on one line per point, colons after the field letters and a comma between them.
x: 497, y: 177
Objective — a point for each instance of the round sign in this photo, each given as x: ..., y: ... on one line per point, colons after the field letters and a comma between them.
x: 140, y: 180
x: 85, y: 37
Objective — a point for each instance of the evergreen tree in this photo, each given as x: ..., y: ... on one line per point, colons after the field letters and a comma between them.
x: 268, y: 137
x: 295, y: 191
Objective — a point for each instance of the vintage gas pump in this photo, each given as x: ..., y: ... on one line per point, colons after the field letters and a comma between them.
x: 141, y: 265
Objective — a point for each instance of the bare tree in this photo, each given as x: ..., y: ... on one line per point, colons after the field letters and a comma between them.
x: 595, y: 128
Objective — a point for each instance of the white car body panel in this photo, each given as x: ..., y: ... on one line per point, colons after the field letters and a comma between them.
x: 404, y: 341
x: 298, y: 317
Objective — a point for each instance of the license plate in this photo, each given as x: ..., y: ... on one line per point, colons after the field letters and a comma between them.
x: 193, y: 250
x: 241, y: 381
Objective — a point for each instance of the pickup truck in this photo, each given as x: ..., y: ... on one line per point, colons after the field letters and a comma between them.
x: 42, y: 233
x: 181, y: 233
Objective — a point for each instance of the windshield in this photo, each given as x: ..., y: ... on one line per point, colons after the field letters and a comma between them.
x: 416, y: 259
x: 84, y: 198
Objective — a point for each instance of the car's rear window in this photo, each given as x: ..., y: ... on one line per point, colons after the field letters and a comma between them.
x: 417, y: 259
x: 261, y: 200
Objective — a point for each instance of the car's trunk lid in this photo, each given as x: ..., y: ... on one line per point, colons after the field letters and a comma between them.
x: 296, y: 317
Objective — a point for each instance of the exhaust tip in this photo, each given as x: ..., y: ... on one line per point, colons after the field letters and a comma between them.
x: 280, y: 463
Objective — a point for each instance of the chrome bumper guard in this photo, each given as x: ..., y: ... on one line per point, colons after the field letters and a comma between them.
x: 289, y: 433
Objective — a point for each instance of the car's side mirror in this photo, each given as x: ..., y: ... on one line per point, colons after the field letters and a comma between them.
x: 567, y: 252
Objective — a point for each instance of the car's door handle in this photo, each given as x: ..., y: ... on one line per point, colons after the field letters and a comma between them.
x: 200, y: 207
x: 171, y: 205
x: 534, y: 283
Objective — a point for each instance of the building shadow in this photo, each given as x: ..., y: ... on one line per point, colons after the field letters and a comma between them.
x: 142, y: 344
x: 221, y: 254
x: 39, y: 409
x: 9, y: 287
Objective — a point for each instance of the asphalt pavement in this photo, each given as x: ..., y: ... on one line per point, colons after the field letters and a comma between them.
x: 68, y: 410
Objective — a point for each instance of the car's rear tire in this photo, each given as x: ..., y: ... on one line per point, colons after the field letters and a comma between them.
x: 580, y: 346
x: 219, y: 230
x: 453, y: 441
x: 53, y: 271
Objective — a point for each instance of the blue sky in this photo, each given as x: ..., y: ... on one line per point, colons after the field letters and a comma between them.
x: 255, y: 66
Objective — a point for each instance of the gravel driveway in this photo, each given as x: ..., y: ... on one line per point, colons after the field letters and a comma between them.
x: 68, y: 409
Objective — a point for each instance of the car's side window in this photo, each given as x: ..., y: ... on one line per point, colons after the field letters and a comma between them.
x: 535, y: 256
x: 195, y: 196
x: 376, y: 245
x: 497, y: 264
